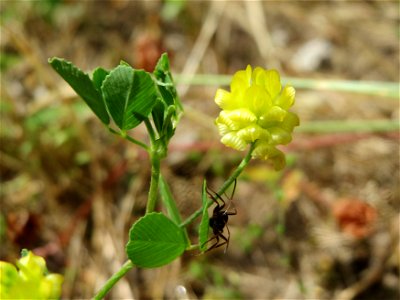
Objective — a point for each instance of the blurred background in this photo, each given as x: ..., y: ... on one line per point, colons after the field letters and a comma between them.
x: 326, y: 227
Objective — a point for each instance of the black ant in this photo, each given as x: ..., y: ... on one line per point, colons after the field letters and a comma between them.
x: 219, y: 220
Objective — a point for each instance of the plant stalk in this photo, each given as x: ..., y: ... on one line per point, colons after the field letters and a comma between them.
x: 129, y: 138
x: 155, y: 178
x: 134, y: 141
x: 224, y: 187
x: 113, y: 280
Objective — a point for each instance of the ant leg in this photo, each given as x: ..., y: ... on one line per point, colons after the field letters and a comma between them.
x: 215, y: 197
x: 226, y: 241
x: 215, y: 244
x: 233, y: 191
x: 209, y: 240
x: 229, y: 233
x: 231, y: 213
x: 218, y: 196
x: 230, y: 200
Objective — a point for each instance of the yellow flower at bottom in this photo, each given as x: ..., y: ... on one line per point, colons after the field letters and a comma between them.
x: 31, y: 281
x: 256, y: 111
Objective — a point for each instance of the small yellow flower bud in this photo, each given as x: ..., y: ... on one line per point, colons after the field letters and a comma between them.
x: 32, y: 281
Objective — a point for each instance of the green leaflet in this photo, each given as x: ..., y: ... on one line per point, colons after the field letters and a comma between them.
x: 154, y: 241
x: 130, y: 96
x: 168, y: 110
x: 82, y: 85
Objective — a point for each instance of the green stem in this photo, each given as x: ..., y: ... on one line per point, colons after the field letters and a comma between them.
x: 113, y: 280
x: 132, y: 140
x: 154, y: 152
x: 193, y: 247
x: 155, y: 167
x: 238, y: 171
x: 129, y: 138
x: 224, y: 187
x: 155, y: 178
x: 151, y: 132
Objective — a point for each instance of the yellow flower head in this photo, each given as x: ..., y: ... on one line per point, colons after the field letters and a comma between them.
x: 256, y: 110
x: 31, y: 281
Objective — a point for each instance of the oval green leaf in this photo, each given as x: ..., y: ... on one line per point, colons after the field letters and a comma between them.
x: 204, y: 224
x: 130, y: 96
x: 82, y: 85
x: 154, y: 241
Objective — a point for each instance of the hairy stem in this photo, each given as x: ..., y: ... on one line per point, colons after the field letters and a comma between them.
x: 113, y: 280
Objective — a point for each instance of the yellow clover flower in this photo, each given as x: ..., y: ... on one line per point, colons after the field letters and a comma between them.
x: 256, y: 110
x: 31, y: 281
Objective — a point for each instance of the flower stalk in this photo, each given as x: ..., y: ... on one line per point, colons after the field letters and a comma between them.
x: 155, y: 178
x: 245, y: 161
x: 128, y: 265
